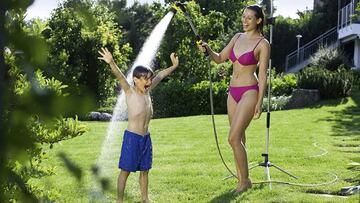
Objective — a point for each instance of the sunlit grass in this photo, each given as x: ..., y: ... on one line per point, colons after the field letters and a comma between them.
x: 316, y: 144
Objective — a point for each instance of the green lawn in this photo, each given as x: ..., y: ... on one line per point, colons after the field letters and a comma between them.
x: 312, y: 143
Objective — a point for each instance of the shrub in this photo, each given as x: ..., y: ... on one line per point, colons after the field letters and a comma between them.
x: 276, y: 103
x: 34, y: 122
x: 181, y: 99
x: 283, y: 85
x: 356, y: 17
x: 356, y: 80
x: 328, y: 58
x: 331, y: 84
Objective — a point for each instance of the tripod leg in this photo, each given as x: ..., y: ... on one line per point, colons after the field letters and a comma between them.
x: 254, y: 166
x: 267, y: 173
x: 282, y: 170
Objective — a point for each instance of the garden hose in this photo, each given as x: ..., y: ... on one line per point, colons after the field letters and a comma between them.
x: 336, y: 178
x: 181, y: 7
x: 178, y: 6
x: 213, y: 118
x: 324, y: 152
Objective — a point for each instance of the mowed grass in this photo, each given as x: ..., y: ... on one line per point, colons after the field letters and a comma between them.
x: 315, y: 144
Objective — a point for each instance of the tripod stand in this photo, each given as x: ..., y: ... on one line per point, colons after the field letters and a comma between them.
x: 267, y: 164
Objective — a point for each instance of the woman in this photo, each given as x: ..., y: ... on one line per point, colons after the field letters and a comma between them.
x: 247, y: 51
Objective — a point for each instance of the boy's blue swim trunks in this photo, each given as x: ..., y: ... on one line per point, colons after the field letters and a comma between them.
x: 136, y: 152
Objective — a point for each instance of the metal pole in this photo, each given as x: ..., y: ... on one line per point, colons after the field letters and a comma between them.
x: 298, y: 49
x: 267, y: 164
x: 267, y: 171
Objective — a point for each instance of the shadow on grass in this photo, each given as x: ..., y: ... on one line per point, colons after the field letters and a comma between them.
x: 347, y: 121
x: 347, y: 127
x: 229, y: 196
x: 329, y: 102
x: 224, y: 197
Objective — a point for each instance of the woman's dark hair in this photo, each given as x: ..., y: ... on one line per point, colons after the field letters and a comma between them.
x: 259, y: 13
x: 142, y: 71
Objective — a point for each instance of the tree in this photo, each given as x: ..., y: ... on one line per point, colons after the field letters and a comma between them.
x: 231, y: 9
x: 75, y: 62
x: 180, y: 38
x: 328, y: 13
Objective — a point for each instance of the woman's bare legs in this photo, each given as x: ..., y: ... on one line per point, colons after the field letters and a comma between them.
x: 240, y: 115
x: 231, y: 108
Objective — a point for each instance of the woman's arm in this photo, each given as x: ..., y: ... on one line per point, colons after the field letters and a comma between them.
x: 263, y: 65
x: 162, y: 74
x: 108, y: 58
x: 224, y: 54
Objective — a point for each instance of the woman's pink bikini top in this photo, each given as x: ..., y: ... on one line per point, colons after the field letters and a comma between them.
x: 247, y: 58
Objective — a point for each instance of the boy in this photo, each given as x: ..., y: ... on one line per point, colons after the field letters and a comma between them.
x: 136, y: 151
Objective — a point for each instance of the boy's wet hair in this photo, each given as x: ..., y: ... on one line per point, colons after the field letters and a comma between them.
x: 142, y: 71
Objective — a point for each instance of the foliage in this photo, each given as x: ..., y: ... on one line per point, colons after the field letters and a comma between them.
x: 328, y: 58
x: 39, y: 130
x: 282, y: 85
x: 331, y: 84
x: 193, y: 64
x: 328, y: 13
x: 310, y: 25
x: 232, y: 9
x: 31, y: 108
x: 280, y: 50
x: 356, y: 16
x: 138, y: 26
x: 276, y: 103
x: 76, y: 64
x: 356, y: 81
x: 182, y: 99
x: 62, y: 129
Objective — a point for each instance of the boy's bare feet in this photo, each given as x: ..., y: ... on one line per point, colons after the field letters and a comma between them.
x: 243, y: 187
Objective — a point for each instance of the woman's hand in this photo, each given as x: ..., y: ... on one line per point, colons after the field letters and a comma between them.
x: 106, y: 55
x: 257, y: 112
x: 174, y: 59
x: 203, y: 46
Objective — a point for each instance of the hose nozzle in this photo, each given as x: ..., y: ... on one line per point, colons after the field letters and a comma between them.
x: 181, y: 6
x: 174, y: 9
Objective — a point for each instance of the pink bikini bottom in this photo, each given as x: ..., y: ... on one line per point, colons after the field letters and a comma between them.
x: 237, y: 92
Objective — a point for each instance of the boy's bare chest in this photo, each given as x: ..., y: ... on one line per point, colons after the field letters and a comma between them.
x: 139, y: 104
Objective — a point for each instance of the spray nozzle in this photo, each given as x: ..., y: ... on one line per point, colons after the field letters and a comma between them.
x: 174, y: 9
x: 178, y: 6
x: 181, y: 6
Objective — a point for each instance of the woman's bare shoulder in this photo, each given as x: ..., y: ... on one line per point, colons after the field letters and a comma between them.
x: 264, y: 43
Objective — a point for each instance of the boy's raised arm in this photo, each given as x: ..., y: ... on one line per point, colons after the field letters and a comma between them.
x: 162, y: 74
x: 108, y: 58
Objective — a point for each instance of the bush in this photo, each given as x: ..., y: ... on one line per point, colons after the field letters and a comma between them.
x: 331, y: 84
x: 174, y: 98
x: 356, y: 80
x: 76, y: 64
x: 328, y: 58
x: 356, y: 17
x: 283, y: 85
x: 34, y: 122
x: 276, y: 103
